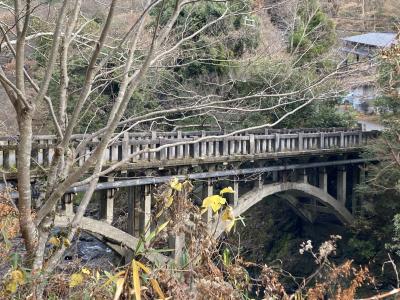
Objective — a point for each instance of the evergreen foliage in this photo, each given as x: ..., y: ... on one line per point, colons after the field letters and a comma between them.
x: 313, y: 33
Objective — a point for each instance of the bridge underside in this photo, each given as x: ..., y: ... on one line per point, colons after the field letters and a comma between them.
x: 284, y: 190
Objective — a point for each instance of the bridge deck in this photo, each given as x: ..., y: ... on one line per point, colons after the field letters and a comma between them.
x: 158, y: 149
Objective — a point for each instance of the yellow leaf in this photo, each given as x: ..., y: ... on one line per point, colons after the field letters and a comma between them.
x: 157, y: 288
x: 228, y: 218
x: 75, y: 280
x: 214, y: 201
x: 120, y: 287
x: 18, y: 277
x: 85, y: 271
x: 66, y: 242
x: 143, y: 267
x: 114, y: 278
x: 175, y: 184
x: 170, y: 199
x: 161, y: 227
x: 227, y: 190
x: 136, y: 279
x: 11, y: 287
x: 55, y: 241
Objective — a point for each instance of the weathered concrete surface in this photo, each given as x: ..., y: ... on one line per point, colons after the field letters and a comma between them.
x: 112, y: 233
x: 256, y: 195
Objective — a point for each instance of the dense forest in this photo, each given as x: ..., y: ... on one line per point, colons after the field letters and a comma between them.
x: 102, y: 68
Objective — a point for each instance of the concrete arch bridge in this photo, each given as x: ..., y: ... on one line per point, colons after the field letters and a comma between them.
x: 314, y: 170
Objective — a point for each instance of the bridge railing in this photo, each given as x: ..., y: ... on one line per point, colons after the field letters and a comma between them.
x: 257, y: 143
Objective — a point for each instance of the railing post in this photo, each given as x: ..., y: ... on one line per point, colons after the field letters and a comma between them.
x: 300, y: 137
x: 164, y: 151
x: 322, y: 140
x: 252, y: 144
x: 225, y: 146
x: 196, y: 149
x: 125, y: 146
x: 341, y: 139
x: 203, y: 145
x: 180, y: 148
x: 277, y: 142
x: 153, y: 145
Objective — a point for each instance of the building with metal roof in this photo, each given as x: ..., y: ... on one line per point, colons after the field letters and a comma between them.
x: 366, y: 45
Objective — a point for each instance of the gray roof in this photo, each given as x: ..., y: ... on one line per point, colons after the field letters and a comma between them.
x: 378, y: 39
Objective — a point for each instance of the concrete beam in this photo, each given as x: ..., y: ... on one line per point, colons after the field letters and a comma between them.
x: 211, y: 174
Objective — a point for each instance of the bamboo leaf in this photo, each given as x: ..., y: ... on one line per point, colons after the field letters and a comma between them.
x: 169, y: 202
x: 161, y: 227
x: 136, y: 279
x: 120, y: 286
x: 143, y: 267
x: 157, y: 288
x: 112, y: 278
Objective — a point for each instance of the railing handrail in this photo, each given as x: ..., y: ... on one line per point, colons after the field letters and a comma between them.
x: 197, y: 133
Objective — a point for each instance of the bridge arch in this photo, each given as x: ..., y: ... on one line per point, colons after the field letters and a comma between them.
x: 257, y: 195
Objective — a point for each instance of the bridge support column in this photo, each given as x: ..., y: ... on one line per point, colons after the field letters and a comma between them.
x: 236, y: 192
x: 355, y: 181
x: 178, y: 244
x: 302, y: 176
x: 208, y: 190
x: 145, y: 212
x: 107, y: 204
x: 341, y: 185
x: 69, y: 205
x: 275, y: 176
x: 323, y: 180
x: 133, y: 210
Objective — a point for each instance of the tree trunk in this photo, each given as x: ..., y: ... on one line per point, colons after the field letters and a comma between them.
x: 27, y: 226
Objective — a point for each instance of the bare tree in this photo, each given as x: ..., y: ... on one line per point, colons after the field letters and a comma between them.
x: 152, y: 35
